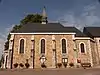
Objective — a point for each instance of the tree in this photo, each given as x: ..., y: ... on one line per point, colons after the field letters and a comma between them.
x: 16, y: 27
x: 1, y: 60
x: 30, y: 18
x: 6, y: 46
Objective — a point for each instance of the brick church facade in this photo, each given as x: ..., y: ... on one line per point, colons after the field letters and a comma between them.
x: 52, y: 43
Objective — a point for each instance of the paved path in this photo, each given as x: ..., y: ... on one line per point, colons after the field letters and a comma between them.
x: 95, y: 71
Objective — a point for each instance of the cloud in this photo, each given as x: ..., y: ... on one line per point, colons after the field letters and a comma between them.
x: 88, y: 16
x: 8, y: 29
x: 52, y: 21
x: 3, y: 37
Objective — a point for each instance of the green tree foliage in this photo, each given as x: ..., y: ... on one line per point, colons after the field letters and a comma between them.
x: 6, y: 46
x: 1, y: 60
x: 16, y: 27
x: 30, y: 18
x: 8, y: 37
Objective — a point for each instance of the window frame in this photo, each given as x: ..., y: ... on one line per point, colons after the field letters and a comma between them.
x: 84, y: 48
x: 24, y: 45
x: 66, y: 46
x: 40, y: 47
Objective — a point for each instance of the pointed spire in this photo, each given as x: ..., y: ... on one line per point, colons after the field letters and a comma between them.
x: 44, y: 12
x: 44, y: 16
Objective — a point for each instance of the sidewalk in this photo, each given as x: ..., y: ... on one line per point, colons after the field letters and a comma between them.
x: 96, y: 66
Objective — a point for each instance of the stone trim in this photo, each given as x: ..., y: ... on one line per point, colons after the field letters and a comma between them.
x: 90, y: 53
x: 32, y: 38
x: 81, y: 38
x: 53, y: 37
x: 44, y: 33
x: 12, y: 37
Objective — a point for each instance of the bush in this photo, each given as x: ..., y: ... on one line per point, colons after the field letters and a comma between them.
x: 15, y: 65
x: 59, y: 65
x: 43, y: 65
x: 71, y: 64
x: 21, y: 65
x: 65, y: 65
x: 27, y: 65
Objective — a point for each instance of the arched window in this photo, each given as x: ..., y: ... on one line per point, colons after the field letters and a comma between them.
x: 63, y: 46
x: 82, y: 48
x: 22, y: 46
x: 42, y: 46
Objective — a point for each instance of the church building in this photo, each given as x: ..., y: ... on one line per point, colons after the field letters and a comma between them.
x: 52, y: 44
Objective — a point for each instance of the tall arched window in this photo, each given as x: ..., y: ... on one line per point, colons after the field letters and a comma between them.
x: 42, y: 46
x: 82, y: 48
x: 22, y: 46
x: 63, y: 46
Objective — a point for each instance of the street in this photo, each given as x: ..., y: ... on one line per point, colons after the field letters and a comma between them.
x: 92, y: 71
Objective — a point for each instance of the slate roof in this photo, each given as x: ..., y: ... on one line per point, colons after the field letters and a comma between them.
x: 49, y: 27
x: 92, y: 31
x: 79, y: 33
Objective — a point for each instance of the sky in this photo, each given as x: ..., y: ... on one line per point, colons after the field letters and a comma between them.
x: 78, y: 13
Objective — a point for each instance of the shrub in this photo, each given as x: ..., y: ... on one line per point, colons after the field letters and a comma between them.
x: 71, y: 64
x: 27, y: 65
x: 21, y: 65
x: 59, y: 65
x: 65, y: 65
x: 15, y: 65
x: 43, y: 65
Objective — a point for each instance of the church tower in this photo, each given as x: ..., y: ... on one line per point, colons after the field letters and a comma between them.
x: 44, y: 16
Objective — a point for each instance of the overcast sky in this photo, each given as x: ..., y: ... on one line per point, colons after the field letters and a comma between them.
x: 78, y: 13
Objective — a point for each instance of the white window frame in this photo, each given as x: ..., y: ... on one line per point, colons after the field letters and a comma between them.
x: 24, y: 46
x: 84, y: 47
x: 40, y: 45
x: 66, y: 46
